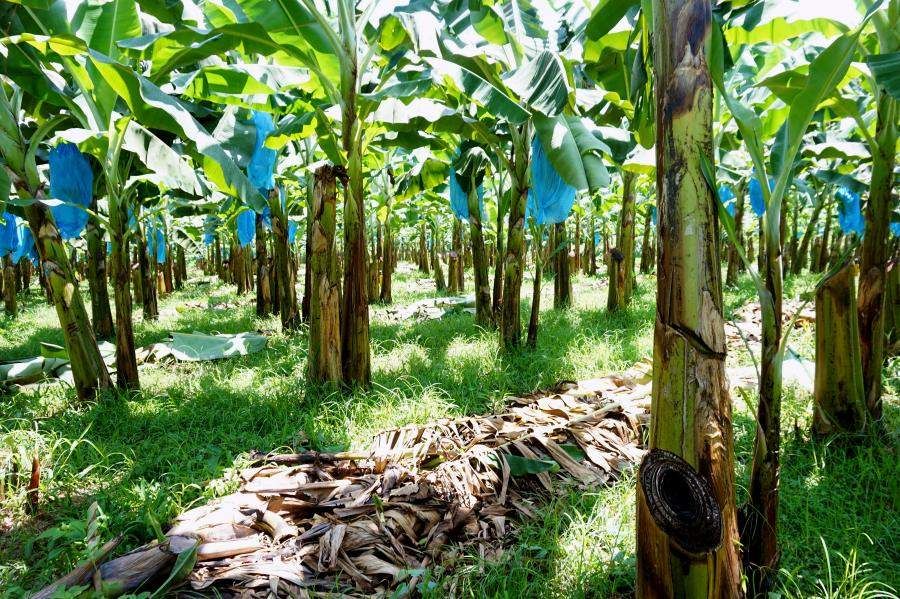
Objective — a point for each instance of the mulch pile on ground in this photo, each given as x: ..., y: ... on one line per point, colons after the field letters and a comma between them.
x: 369, y: 523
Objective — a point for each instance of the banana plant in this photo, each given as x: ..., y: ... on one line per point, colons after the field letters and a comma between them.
x: 826, y: 71
x: 517, y: 88
x: 20, y: 169
x: 53, y: 48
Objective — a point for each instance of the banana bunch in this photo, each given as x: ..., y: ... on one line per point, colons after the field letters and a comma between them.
x: 12, y: 145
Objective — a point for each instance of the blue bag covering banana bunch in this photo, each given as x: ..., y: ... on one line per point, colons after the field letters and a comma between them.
x: 72, y: 181
x: 850, y: 216
x: 550, y: 199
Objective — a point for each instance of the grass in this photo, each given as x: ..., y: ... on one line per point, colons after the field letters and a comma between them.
x: 146, y: 457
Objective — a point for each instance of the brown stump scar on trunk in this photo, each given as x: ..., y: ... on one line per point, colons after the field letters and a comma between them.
x: 681, y: 503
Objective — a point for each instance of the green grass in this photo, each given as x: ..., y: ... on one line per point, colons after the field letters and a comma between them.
x: 146, y: 457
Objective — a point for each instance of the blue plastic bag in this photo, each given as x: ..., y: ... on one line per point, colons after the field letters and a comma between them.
x: 26, y: 247
x: 246, y: 226
x: 895, y: 229
x: 726, y: 196
x: 208, y: 238
x: 653, y: 215
x: 550, y: 198
x: 160, y: 247
x: 757, y: 201
x: 292, y: 231
x: 459, y: 201
x: 72, y: 181
x: 261, y: 170
x: 156, y: 243
x: 9, y: 235
x: 850, y: 217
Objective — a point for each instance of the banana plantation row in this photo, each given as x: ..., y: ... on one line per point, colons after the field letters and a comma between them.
x: 269, y: 142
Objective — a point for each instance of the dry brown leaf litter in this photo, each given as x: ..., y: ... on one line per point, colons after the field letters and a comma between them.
x: 360, y: 525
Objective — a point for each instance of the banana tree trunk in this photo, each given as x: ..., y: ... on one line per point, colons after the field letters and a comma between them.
x: 9, y: 287
x: 96, y: 275
x: 734, y: 259
x: 386, y: 296
x: 88, y: 369
x: 803, y: 252
x: 794, y: 245
x: 892, y: 306
x: 822, y: 258
x: 281, y: 250
x: 455, y: 264
x: 645, y: 245
x: 238, y: 265
x: 263, y: 289
x: 307, y: 255
x: 576, y: 265
x: 533, y: 320
x: 324, y: 323
x: 562, y: 287
x: 687, y: 538
x: 423, y: 249
x: 148, y: 281
x: 121, y: 276
x: 483, y: 313
x: 219, y: 262
x: 356, y: 353
x: 439, y: 282
x: 614, y: 299
x: 761, y: 254
x: 25, y: 270
x: 839, y: 401
x: 760, y: 532
x: 873, y: 256
x: 180, y: 268
x: 625, y: 238
x: 497, y: 298
x: 514, y: 261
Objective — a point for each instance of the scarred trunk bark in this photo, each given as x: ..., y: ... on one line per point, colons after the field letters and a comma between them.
x: 88, y: 369
x: 687, y: 538
x: 324, y: 323
x: 120, y: 274
x: 356, y: 356
x: 839, y: 400
x: 514, y: 261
